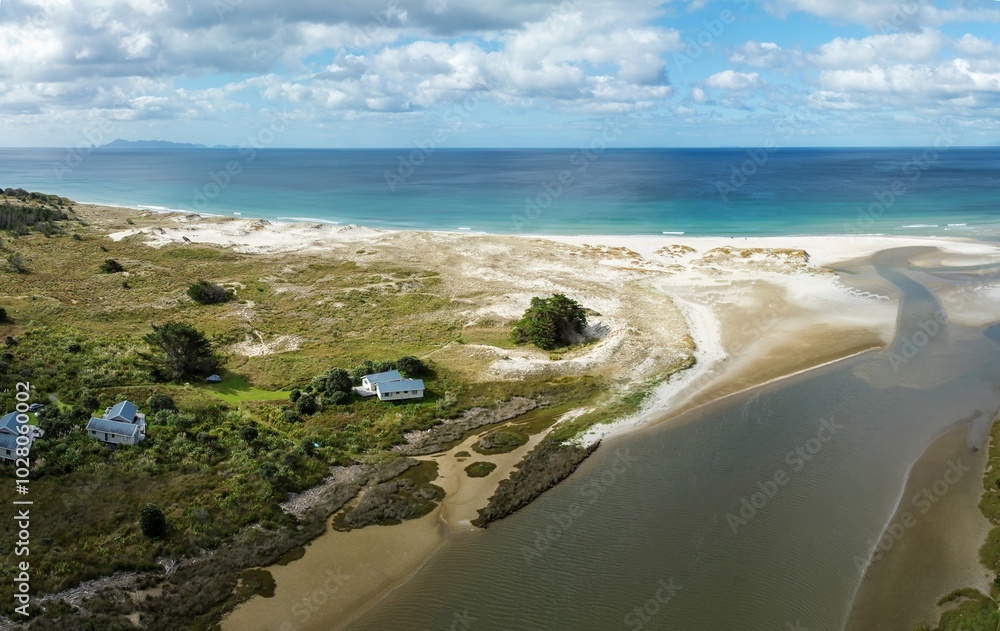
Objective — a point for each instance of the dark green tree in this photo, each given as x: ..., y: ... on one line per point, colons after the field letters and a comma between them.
x: 550, y: 322
x: 411, y: 366
x: 337, y: 397
x: 152, y: 522
x: 206, y: 293
x: 160, y: 401
x: 178, y: 352
x: 306, y: 404
x: 88, y: 401
x: 111, y: 266
x: 4, y: 318
x: 333, y: 380
x: 248, y: 433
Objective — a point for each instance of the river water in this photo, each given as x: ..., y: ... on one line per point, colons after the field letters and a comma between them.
x: 758, y: 511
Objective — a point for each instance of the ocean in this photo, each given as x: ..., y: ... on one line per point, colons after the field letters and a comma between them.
x: 720, y: 192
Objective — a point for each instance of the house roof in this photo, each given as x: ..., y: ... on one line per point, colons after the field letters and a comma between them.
x: 400, y: 385
x: 112, y: 427
x: 381, y: 377
x: 8, y: 442
x: 124, y: 411
x: 8, y: 424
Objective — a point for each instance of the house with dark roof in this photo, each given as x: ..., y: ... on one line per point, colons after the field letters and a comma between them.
x: 10, y: 431
x: 121, y: 424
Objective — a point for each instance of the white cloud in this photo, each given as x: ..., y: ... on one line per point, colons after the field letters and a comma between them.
x: 886, y: 15
x: 732, y: 80
x: 899, y: 47
x: 764, y: 55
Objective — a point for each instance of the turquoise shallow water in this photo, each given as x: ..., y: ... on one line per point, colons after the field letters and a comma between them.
x: 953, y: 192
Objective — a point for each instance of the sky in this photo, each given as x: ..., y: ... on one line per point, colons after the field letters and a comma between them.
x: 500, y: 73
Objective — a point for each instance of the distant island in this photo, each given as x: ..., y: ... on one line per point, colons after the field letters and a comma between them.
x: 119, y: 143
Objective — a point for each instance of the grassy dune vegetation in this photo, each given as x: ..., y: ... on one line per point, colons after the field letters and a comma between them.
x: 75, y: 333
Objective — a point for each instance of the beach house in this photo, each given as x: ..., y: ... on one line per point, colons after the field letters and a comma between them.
x: 122, y: 424
x: 391, y: 386
x: 9, y: 432
x: 400, y: 389
x: 369, y: 383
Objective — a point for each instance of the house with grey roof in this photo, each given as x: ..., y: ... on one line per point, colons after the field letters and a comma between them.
x: 369, y: 383
x: 10, y: 431
x: 390, y: 386
x: 400, y: 389
x: 121, y: 424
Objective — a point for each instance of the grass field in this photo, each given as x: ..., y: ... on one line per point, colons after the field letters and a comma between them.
x: 236, y: 389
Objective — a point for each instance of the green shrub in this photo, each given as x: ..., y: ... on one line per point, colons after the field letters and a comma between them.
x: 306, y: 404
x: 248, y: 433
x: 480, y: 469
x: 337, y: 397
x: 159, y: 402
x: 152, y: 522
x: 411, y: 366
x: 16, y: 264
x: 206, y: 293
x: 111, y: 266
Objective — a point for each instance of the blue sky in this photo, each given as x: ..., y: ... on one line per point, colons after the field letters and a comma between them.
x: 500, y: 73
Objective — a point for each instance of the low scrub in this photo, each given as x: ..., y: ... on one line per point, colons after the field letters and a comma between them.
x: 547, y: 465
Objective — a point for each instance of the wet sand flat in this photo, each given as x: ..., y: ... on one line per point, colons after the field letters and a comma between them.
x: 931, y: 545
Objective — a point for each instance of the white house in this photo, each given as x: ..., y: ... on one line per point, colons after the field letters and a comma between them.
x: 399, y: 389
x: 390, y: 386
x: 9, y: 431
x: 122, y: 424
x: 370, y: 383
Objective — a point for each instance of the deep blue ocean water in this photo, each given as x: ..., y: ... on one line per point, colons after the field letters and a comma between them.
x: 952, y: 191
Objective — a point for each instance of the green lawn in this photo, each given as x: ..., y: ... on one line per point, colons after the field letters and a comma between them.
x: 235, y: 389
